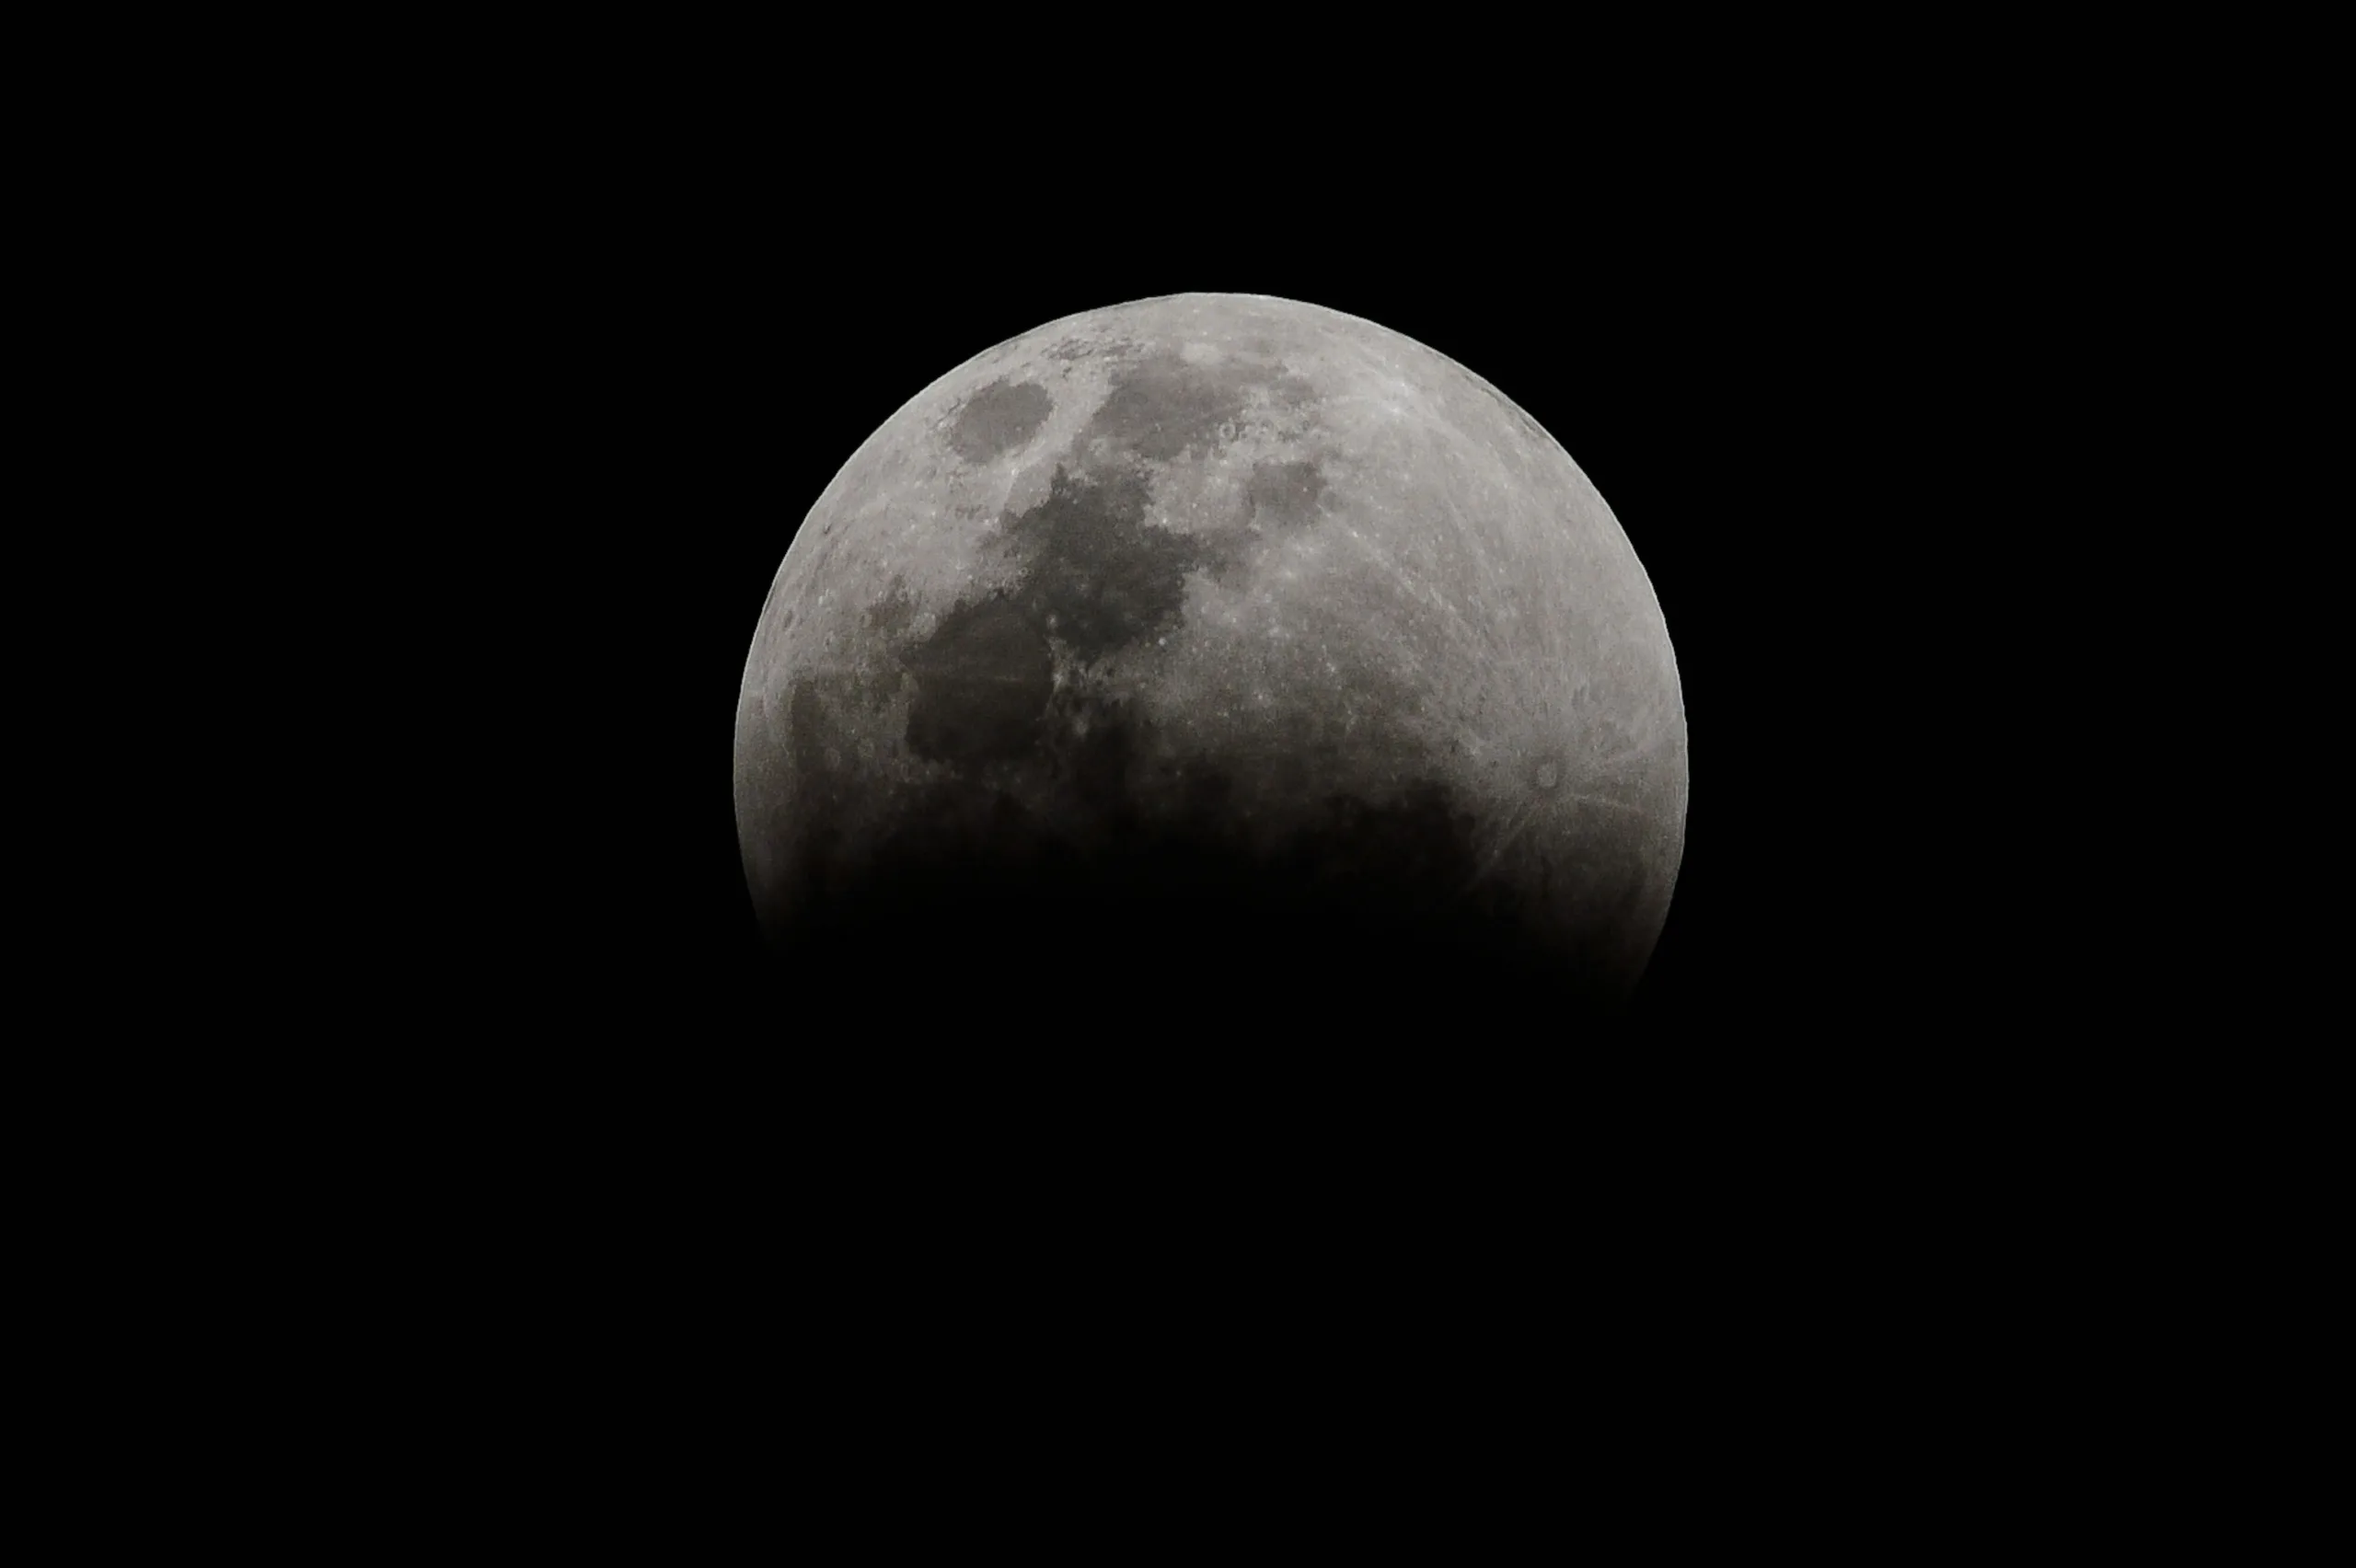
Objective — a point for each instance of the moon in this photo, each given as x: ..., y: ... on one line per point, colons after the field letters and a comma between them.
x: 1206, y: 634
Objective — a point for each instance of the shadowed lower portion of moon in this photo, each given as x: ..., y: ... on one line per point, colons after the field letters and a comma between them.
x: 1213, y: 645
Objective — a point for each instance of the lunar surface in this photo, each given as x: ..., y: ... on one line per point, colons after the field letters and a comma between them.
x: 1212, y: 636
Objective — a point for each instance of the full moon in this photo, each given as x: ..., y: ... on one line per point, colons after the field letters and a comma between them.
x: 1205, y: 638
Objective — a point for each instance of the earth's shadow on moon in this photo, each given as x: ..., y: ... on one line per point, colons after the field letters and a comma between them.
x: 1358, y: 936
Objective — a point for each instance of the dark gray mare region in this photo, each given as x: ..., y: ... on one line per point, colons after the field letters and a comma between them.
x: 999, y: 419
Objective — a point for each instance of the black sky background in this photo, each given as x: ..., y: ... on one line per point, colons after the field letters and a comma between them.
x: 659, y: 330
x: 614, y: 350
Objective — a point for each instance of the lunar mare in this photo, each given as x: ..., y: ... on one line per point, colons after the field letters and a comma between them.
x: 1227, y: 603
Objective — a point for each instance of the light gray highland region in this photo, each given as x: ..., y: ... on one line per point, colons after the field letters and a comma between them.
x: 1220, y: 577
